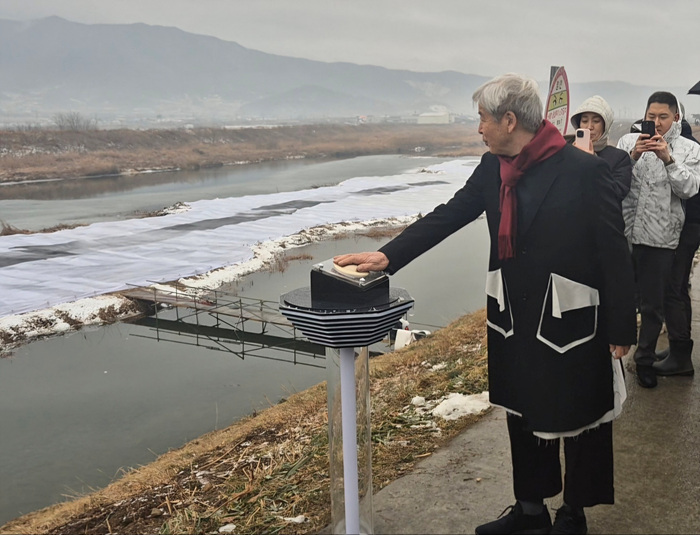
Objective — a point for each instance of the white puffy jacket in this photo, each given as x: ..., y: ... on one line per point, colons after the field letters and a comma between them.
x: 653, y: 209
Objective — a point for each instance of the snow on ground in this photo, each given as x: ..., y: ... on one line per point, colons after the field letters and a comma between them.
x: 264, y: 254
x: 45, y: 269
x: 455, y: 405
x: 21, y: 328
x: 18, y: 329
x: 450, y: 407
x: 50, y: 278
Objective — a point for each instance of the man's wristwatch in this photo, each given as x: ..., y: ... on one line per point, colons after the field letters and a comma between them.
x: 670, y: 162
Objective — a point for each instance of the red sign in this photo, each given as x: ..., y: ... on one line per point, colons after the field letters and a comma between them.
x: 558, y: 100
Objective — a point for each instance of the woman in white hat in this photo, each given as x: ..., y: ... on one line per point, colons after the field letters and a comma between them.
x: 597, y: 116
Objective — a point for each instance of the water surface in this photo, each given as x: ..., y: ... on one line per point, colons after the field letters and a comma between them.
x: 81, y: 408
x: 35, y: 206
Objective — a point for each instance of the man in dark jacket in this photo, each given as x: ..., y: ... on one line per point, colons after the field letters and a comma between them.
x: 560, y: 301
x: 677, y: 360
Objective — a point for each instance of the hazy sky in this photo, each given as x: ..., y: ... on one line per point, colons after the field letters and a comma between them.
x: 640, y: 41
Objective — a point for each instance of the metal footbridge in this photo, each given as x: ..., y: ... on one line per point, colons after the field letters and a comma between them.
x: 221, y: 321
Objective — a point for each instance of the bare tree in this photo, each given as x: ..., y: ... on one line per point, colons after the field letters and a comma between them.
x: 74, y: 121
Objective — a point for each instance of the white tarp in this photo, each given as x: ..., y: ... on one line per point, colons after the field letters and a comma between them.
x: 42, y: 270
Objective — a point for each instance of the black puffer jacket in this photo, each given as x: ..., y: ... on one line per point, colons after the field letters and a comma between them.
x: 621, y: 167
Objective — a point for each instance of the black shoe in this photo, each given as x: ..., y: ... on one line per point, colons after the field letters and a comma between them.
x: 516, y: 521
x: 646, y: 376
x: 569, y: 521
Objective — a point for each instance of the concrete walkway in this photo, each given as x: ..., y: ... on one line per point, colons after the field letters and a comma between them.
x: 657, y: 467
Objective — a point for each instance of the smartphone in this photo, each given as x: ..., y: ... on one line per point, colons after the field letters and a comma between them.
x: 648, y: 127
x: 583, y: 138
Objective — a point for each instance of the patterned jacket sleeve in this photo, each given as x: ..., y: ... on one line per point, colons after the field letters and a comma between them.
x: 684, y: 172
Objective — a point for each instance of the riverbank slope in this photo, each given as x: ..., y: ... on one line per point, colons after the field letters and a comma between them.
x: 269, y: 472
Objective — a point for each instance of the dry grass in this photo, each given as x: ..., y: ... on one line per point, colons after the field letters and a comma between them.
x: 282, y: 261
x: 274, y: 465
x: 378, y: 232
x: 44, y: 154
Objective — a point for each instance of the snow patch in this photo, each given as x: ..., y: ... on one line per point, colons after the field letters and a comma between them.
x: 21, y: 328
x: 454, y: 406
x: 265, y: 253
x: 295, y: 519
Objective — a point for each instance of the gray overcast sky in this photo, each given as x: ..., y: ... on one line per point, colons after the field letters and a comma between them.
x: 639, y: 41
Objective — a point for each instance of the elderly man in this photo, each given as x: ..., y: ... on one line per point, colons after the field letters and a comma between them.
x: 666, y: 170
x: 560, y: 300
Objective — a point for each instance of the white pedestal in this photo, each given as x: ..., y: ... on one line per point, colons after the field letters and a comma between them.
x: 349, y: 440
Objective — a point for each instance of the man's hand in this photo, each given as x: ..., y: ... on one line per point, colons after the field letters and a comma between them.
x: 642, y: 145
x: 364, y: 261
x: 619, y: 351
x: 658, y: 146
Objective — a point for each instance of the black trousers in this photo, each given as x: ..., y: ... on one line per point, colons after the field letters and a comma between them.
x: 588, y: 479
x: 677, y: 308
x: 652, y: 269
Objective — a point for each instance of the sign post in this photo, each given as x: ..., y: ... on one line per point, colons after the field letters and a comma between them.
x: 557, y: 111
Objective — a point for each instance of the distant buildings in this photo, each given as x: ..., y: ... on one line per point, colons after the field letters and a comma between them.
x: 441, y: 117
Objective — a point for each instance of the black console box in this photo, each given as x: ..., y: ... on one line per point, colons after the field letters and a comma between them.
x: 331, y: 290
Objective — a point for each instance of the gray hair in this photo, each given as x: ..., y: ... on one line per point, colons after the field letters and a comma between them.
x: 514, y: 93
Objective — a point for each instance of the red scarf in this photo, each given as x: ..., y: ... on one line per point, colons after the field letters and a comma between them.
x: 547, y: 142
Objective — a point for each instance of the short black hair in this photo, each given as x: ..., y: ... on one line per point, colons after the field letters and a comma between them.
x: 664, y: 97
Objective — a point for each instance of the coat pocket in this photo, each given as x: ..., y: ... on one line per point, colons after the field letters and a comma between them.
x: 498, y: 313
x: 569, y: 314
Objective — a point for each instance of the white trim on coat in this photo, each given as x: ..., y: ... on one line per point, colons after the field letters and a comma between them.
x: 568, y: 295
x: 496, y: 288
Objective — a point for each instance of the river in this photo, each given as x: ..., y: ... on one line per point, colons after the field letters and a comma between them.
x: 39, y: 205
x: 81, y: 408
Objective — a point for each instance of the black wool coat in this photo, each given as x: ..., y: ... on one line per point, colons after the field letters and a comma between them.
x: 621, y: 167
x: 551, y: 364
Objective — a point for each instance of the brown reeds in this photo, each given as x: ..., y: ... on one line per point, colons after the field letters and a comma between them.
x: 29, y: 155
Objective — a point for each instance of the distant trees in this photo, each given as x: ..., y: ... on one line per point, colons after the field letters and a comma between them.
x: 26, y: 127
x: 74, y: 121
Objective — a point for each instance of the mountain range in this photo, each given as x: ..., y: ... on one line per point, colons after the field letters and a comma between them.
x: 53, y: 65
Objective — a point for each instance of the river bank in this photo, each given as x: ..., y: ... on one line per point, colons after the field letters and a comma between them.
x: 285, y: 268
x: 33, y: 155
x: 268, y: 473
x: 457, y: 365
x: 263, y: 257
